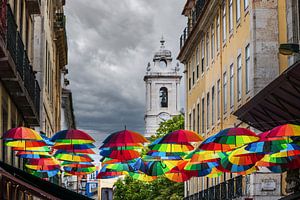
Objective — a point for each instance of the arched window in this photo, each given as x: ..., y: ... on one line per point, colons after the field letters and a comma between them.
x: 163, y: 95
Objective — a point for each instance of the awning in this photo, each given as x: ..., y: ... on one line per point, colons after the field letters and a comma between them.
x: 278, y: 103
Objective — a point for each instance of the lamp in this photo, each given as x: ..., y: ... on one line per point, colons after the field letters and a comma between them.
x: 289, y: 49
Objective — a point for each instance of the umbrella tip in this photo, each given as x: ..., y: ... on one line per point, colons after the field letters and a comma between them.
x: 125, y: 127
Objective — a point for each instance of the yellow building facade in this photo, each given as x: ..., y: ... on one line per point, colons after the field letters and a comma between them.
x: 230, y: 53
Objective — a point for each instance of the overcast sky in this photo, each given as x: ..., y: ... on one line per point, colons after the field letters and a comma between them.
x: 110, y: 43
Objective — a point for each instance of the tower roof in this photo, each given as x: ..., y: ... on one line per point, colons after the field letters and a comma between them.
x: 162, y: 53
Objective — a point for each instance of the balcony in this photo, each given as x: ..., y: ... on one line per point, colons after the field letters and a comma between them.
x: 231, y: 189
x: 192, y: 21
x: 61, y: 38
x: 34, y: 6
x: 16, y: 72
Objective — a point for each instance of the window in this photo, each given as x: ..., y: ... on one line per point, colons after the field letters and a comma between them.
x: 246, y: 4
x: 190, y: 121
x: 198, y: 118
x: 207, y: 48
x: 239, y: 77
x: 230, y: 16
x: 190, y: 75
x: 197, y: 62
x: 193, y: 77
x: 202, y: 57
x: 203, y: 115
x: 231, y: 86
x: 238, y: 10
x: 218, y: 33
x: 207, y: 111
x: 247, y: 57
x: 224, y: 22
x: 219, y: 98
x: 212, y: 44
x: 163, y: 95
x: 213, y: 105
x: 225, y: 92
x: 194, y: 120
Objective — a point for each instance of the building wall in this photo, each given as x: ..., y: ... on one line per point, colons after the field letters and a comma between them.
x: 48, y: 66
x: 225, y: 70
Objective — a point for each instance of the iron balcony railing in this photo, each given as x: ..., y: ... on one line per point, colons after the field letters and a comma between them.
x: 16, y: 49
x: 231, y: 189
x: 196, y: 13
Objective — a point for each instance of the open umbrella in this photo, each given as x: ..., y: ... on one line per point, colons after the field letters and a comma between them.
x: 72, y: 135
x: 158, y: 168
x: 123, y: 155
x: 286, y: 130
x: 33, y: 154
x: 138, y: 175
x: 241, y: 156
x: 21, y: 133
x: 178, y: 173
x: 25, y: 144
x: 73, y: 157
x: 181, y: 137
x: 125, y: 137
x: 229, y: 139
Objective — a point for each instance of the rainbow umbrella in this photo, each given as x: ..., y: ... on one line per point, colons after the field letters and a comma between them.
x: 46, y: 140
x: 81, y: 169
x: 63, y: 146
x: 241, y: 156
x: 119, y: 167
x: 45, y: 174
x: 214, y: 173
x: 138, y: 165
x: 138, y: 148
x: 34, y: 149
x: 43, y: 167
x: 25, y: 144
x: 178, y: 173
x: 287, y: 130
x: 165, y: 155
x: 138, y: 175
x: 200, y: 156
x: 124, y: 137
x: 73, y: 157
x: 202, y: 169
x: 227, y: 166
x: 229, y: 139
x: 107, y: 173
x: 21, y: 133
x: 181, y: 137
x: 33, y: 154
x: 60, y: 142
x: 123, y: 155
x: 158, y: 168
x: 72, y: 135
x: 268, y: 144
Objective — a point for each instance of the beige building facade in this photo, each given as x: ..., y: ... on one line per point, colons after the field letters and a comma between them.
x: 230, y: 53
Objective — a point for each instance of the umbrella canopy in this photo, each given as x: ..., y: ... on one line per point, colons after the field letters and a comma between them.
x: 178, y: 173
x: 122, y: 155
x: 287, y: 130
x: 138, y: 175
x: 214, y: 173
x: 46, y: 140
x: 76, y: 151
x: 73, y: 157
x: 71, y: 134
x: 63, y: 146
x: 125, y: 137
x: 119, y: 167
x: 21, y: 133
x: 81, y: 169
x: 59, y: 142
x: 43, y: 167
x: 43, y: 161
x: 107, y: 173
x: 227, y: 166
x: 45, y: 174
x: 157, y: 168
x: 25, y: 144
x: 35, y: 149
x: 240, y: 156
x: 33, y: 154
x: 186, y: 147
x: 200, y: 156
x: 231, y: 136
x: 181, y: 137
x: 77, y: 164
x: 201, y: 167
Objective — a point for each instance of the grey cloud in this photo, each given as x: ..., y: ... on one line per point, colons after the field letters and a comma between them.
x: 110, y: 44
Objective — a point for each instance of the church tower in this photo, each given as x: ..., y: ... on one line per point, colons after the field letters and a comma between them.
x: 162, y: 90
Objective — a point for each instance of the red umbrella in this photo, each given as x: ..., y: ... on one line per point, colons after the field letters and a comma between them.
x: 21, y: 133
x: 125, y: 137
x: 178, y: 173
x: 122, y: 155
x: 287, y: 130
x: 181, y: 136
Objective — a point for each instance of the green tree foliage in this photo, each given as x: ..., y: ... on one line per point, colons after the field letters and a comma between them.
x: 159, y: 189
x: 168, y: 126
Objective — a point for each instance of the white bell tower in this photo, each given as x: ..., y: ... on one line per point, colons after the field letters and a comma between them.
x: 162, y: 90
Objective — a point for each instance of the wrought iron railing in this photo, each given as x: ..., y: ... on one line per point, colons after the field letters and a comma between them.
x: 199, y: 8
x: 11, y: 34
x: 230, y: 189
x: 20, y: 56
